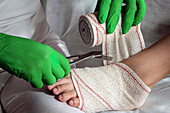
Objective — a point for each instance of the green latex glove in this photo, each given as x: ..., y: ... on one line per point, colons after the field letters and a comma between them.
x: 109, y: 12
x: 36, y: 63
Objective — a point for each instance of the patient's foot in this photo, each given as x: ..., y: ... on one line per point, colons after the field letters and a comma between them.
x: 111, y: 87
x: 65, y: 91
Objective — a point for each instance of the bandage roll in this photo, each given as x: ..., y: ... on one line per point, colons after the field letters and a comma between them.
x: 91, y: 31
x: 117, y: 45
x: 114, y: 86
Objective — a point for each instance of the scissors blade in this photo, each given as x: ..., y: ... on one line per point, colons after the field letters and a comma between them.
x: 73, y: 57
x: 94, y: 54
x: 104, y: 58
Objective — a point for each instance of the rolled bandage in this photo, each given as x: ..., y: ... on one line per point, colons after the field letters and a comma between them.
x: 91, y: 31
x: 114, y: 86
x: 111, y: 87
x: 117, y: 45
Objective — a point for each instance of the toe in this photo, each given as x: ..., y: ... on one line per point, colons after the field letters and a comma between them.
x: 62, y: 88
x: 74, y: 102
x: 62, y: 81
x: 67, y: 96
x: 50, y: 87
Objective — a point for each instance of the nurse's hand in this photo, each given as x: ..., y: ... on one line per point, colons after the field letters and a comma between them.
x: 36, y: 63
x: 109, y: 12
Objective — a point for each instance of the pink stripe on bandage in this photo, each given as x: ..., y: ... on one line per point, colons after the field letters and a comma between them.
x: 132, y: 77
x: 97, y: 37
x: 91, y: 89
x: 139, y: 37
x: 81, y: 96
x: 96, y: 22
x: 137, y: 31
x: 104, y: 33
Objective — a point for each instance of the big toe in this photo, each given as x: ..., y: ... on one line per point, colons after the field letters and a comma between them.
x: 74, y: 102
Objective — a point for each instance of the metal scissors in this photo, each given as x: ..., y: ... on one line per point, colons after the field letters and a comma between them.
x: 94, y: 54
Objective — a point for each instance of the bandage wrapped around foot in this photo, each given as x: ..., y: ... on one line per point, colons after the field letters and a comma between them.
x: 114, y: 86
x: 110, y: 87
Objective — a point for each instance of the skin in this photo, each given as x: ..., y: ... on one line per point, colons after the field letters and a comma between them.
x: 151, y: 65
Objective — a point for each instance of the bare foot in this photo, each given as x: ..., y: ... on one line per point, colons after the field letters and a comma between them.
x: 65, y: 91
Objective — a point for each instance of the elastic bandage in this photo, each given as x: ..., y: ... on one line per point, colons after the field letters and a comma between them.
x: 114, y: 86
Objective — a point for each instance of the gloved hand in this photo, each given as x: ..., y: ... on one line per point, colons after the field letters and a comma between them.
x: 109, y: 12
x: 36, y: 63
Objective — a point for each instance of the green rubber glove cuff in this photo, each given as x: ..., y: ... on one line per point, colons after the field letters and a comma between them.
x: 2, y: 36
x: 5, y: 40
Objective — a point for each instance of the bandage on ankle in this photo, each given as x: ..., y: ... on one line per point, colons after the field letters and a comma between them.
x: 110, y: 87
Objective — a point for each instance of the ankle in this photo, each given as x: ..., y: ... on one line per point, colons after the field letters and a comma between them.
x: 141, y: 70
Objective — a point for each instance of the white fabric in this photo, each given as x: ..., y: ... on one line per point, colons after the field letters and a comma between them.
x: 63, y: 16
x: 110, y: 87
x: 117, y: 45
x: 11, y: 12
x: 156, y: 23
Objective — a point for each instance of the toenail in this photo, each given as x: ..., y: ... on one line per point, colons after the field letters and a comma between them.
x: 55, y: 89
x: 71, y: 102
x: 60, y: 97
x: 49, y: 87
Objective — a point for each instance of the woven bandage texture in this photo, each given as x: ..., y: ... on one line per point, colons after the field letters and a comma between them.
x: 110, y: 87
x: 114, y: 86
x: 117, y: 45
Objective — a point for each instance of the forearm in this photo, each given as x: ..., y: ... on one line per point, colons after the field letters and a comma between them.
x: 152, y: 64
x: 57, y: 44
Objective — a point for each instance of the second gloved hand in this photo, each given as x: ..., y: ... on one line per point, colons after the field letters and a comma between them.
x: 37, y: 63
x: 109, y: 12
